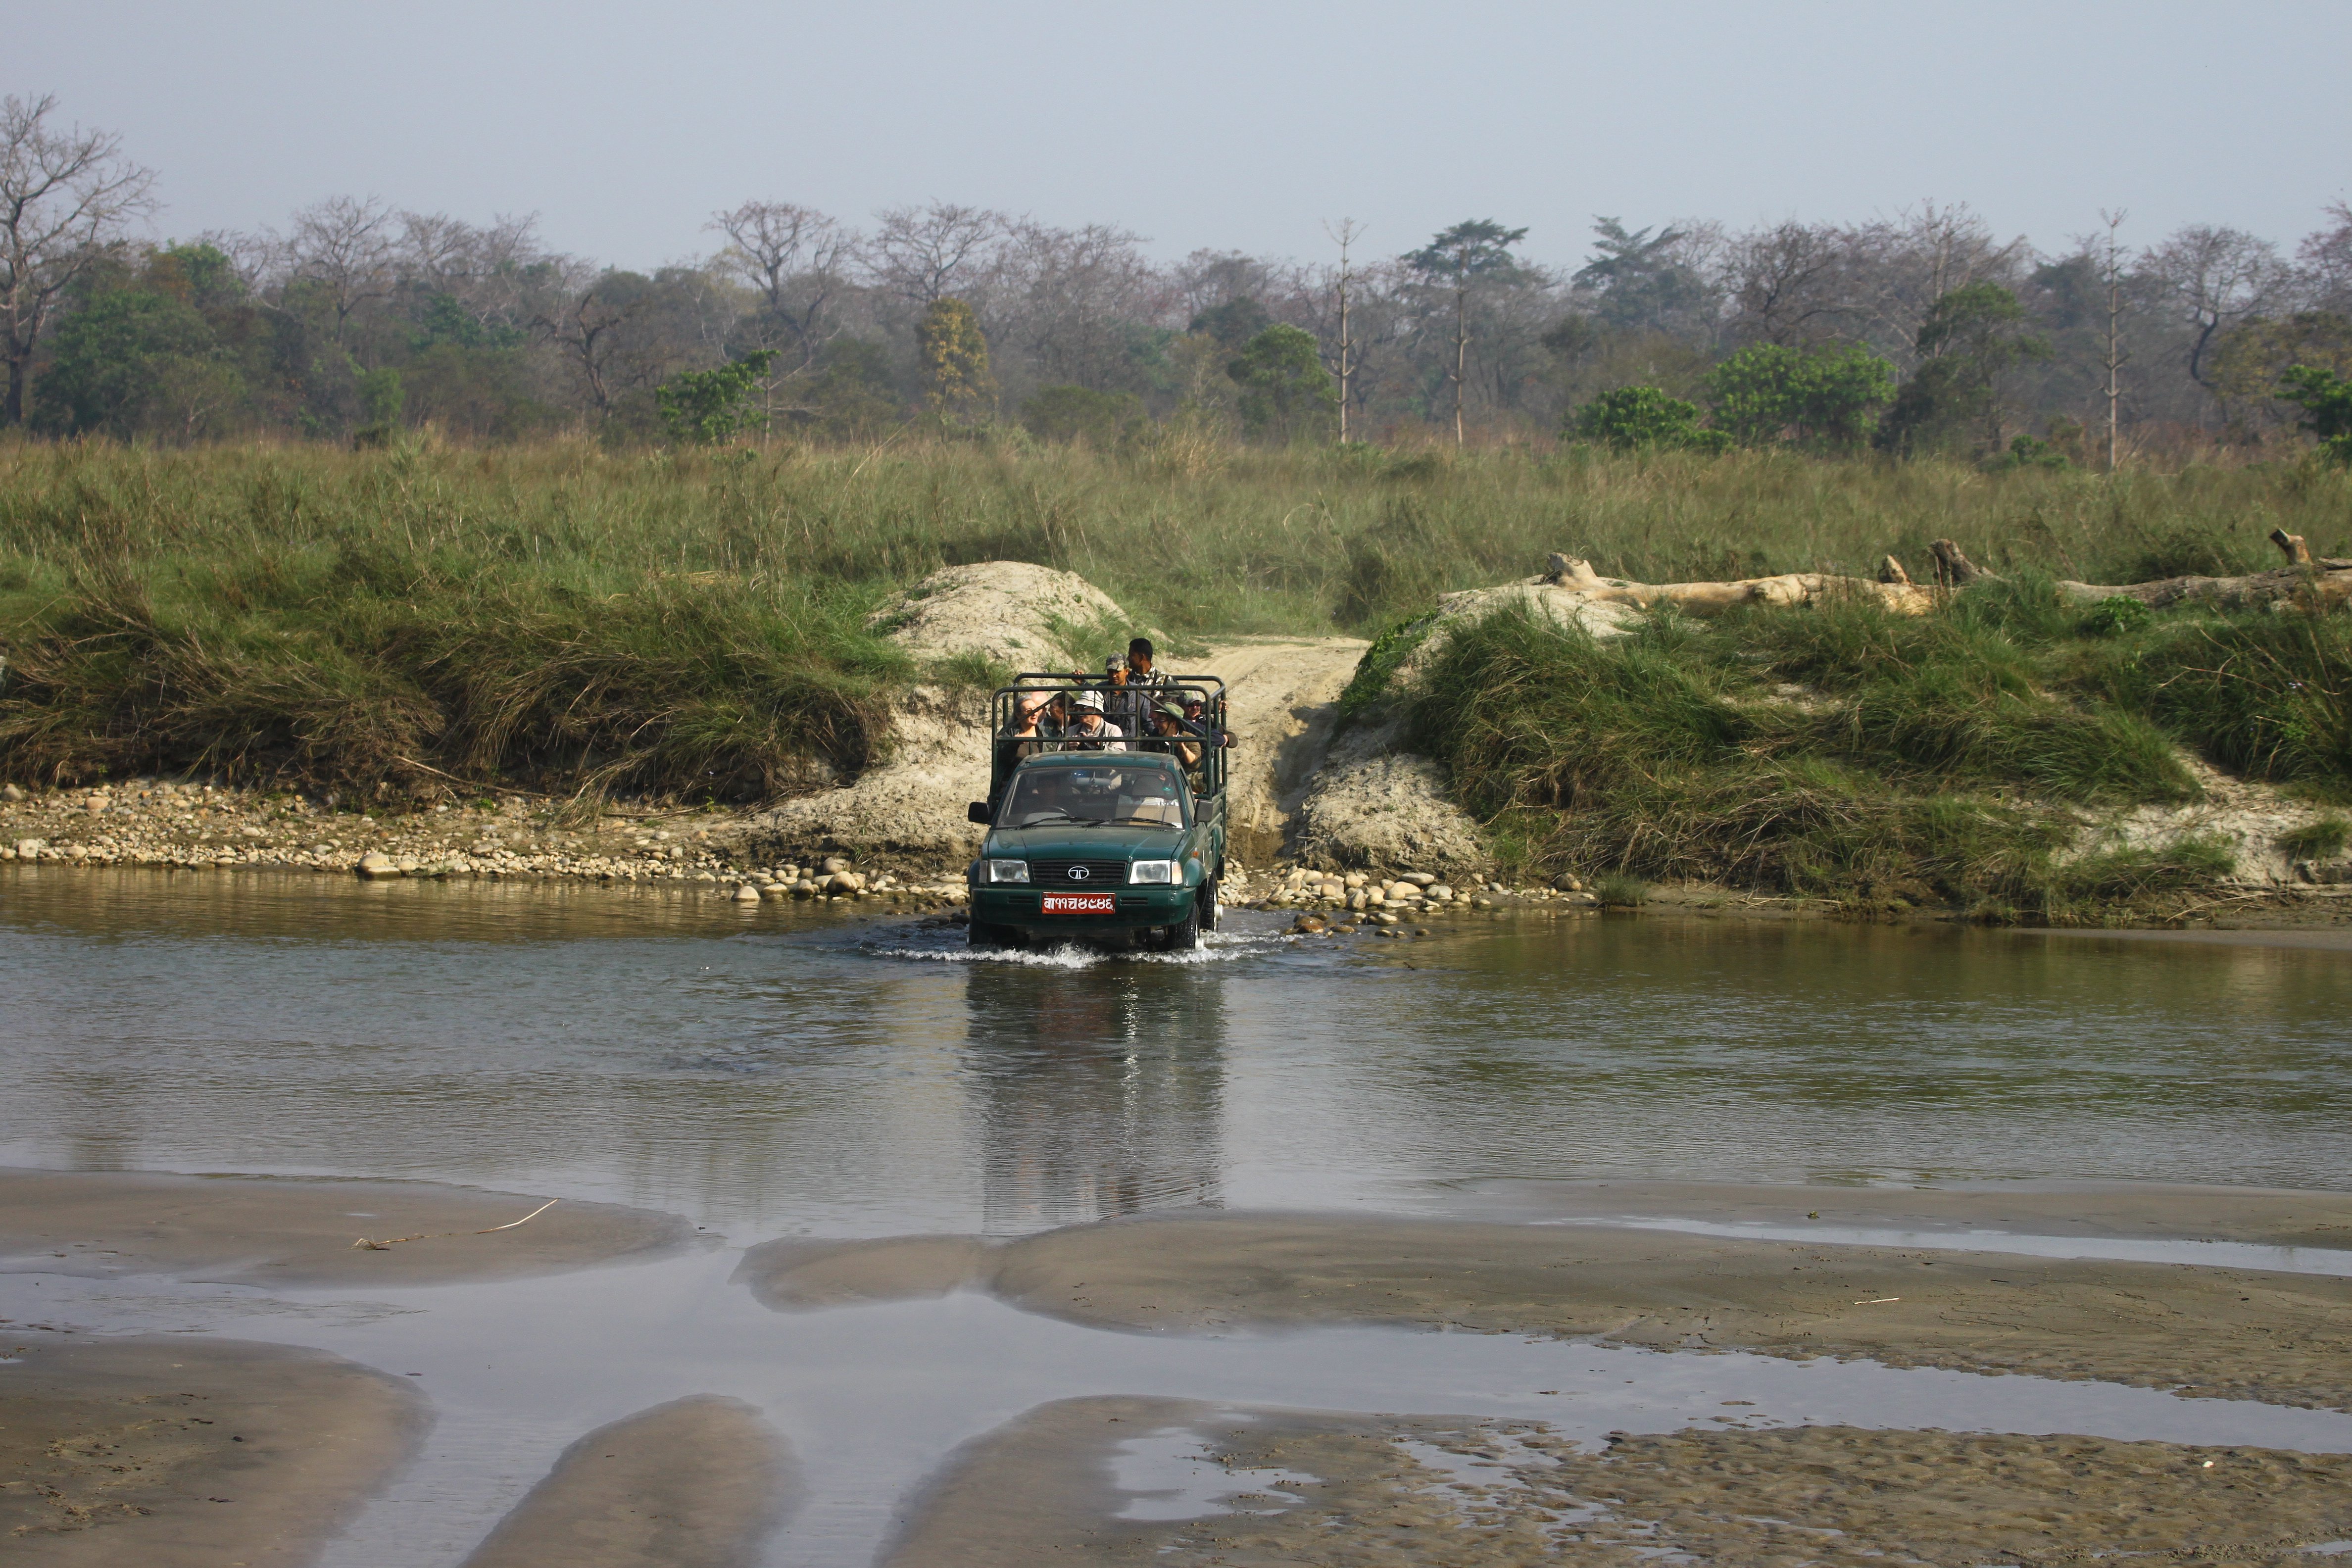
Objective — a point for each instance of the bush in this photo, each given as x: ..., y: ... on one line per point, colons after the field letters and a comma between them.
x: 1768, y: 393
x: 2115, y: 616
x: 1640, y: 418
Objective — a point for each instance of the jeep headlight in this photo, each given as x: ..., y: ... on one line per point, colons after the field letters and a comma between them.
x: 1008, y: 870
x: 1160, y: 871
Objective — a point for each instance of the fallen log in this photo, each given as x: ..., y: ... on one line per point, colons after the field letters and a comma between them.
x: 1708, y: 598
x: 2323, y: 583
x: 2319, y: 582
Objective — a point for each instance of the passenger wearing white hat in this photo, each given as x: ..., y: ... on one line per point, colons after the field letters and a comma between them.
x: 1093, y: 733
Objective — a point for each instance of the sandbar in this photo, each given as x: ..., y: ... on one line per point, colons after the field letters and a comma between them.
x: 2223, y: 1332
x: 2170, y: 1211
x: 191, y: 1453
x: 695, y: 1483
x: 298, y: 1231
x: 1311, y: 1489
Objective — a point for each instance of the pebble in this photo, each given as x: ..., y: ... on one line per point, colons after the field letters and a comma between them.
x: 374, y: 864
x: 746, y: 894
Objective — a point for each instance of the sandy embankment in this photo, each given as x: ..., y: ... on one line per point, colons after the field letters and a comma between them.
x: 2211, y: 1331
x: 187, y: 1452
x: 695, y: 1483
x: 1308, y: 1488
x: 264, y: 1231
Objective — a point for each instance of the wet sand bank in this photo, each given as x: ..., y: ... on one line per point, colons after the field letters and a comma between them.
x: 1274, y: 1488
x: 696, y: 1483
x: 295, y: 1231
x: 2265, y: 1216
x: 189, y: 1452
x: 2215, y: 1332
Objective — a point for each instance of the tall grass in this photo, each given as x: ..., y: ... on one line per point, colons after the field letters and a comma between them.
x: 1843, y: 751
x: 690, y: 621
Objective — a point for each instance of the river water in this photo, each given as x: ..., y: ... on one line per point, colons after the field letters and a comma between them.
x: 790, y: 1070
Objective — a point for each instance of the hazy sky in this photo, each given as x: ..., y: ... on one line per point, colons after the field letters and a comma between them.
x: 1220, y: 125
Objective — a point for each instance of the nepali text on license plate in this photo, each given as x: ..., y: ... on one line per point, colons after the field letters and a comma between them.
x: 1080, y: 903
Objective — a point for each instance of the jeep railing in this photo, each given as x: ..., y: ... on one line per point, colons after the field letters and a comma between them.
x: 1131, y: 707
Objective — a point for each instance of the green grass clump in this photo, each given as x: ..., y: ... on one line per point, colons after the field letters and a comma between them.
x: 1838, y: 751
x: 1620, y: 893
x: 2320, y: 840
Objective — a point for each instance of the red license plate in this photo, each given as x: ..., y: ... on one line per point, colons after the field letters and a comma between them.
x: 1080, y: 903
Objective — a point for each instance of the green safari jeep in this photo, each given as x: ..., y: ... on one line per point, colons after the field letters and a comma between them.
x: 1121, y: 842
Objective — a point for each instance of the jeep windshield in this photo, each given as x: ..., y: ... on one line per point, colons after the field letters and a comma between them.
x: 1094, y: 797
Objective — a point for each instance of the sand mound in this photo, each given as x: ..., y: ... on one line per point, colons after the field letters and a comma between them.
x: 1010, y: 612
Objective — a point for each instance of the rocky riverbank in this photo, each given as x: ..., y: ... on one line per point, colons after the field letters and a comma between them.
x: 192, y: 825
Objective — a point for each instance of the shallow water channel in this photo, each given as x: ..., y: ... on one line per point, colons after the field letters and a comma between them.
x: 788, y: 1071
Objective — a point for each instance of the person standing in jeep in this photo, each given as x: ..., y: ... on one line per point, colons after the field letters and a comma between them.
x: 1138, y: 689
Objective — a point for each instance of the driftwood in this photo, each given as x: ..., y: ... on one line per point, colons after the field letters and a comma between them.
x: 1707, y: 599
x: 2321, y: 582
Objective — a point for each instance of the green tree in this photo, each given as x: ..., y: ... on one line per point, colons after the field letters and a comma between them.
x: 1285, y: 393
x: 1233, y: 323
x: 1768, y: 393
x: 1461, y: 259
x: 706, y: 407
x: 1644, y: 284
x: 1083, y: 416
x: 1971, y: 339
x: 116, y: 362
x: 956, y: 378
x: 2325, y: 399
x: 2250, y: 364
x: 1643, y: 418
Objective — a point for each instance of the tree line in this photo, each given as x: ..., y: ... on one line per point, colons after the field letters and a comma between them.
x: 1924, y: 332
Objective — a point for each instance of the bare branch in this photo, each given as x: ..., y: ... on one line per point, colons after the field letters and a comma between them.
x: 66, y: 197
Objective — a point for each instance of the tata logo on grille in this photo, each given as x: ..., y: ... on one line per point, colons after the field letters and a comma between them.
x: 1079, y: 873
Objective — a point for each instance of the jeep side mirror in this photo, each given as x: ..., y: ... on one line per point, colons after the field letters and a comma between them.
x: 977, y: 812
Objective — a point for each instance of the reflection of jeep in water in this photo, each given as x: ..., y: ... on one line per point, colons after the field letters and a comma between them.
x: 1087, y: 843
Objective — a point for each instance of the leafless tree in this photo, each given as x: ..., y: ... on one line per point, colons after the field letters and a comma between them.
x: 66, y: 197
x: 1785, y: 283
x: 796, y: 257
x: 2112, y: 276
x: 343, y: 244
x: 2327, y: 261
x: 491, y: 271
x: 926, y: 254
x: 1073, y: 291
x: 1344, y: 234
x: 2216, y: 275
x: 587, y: 326
x: 1208, y: 278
